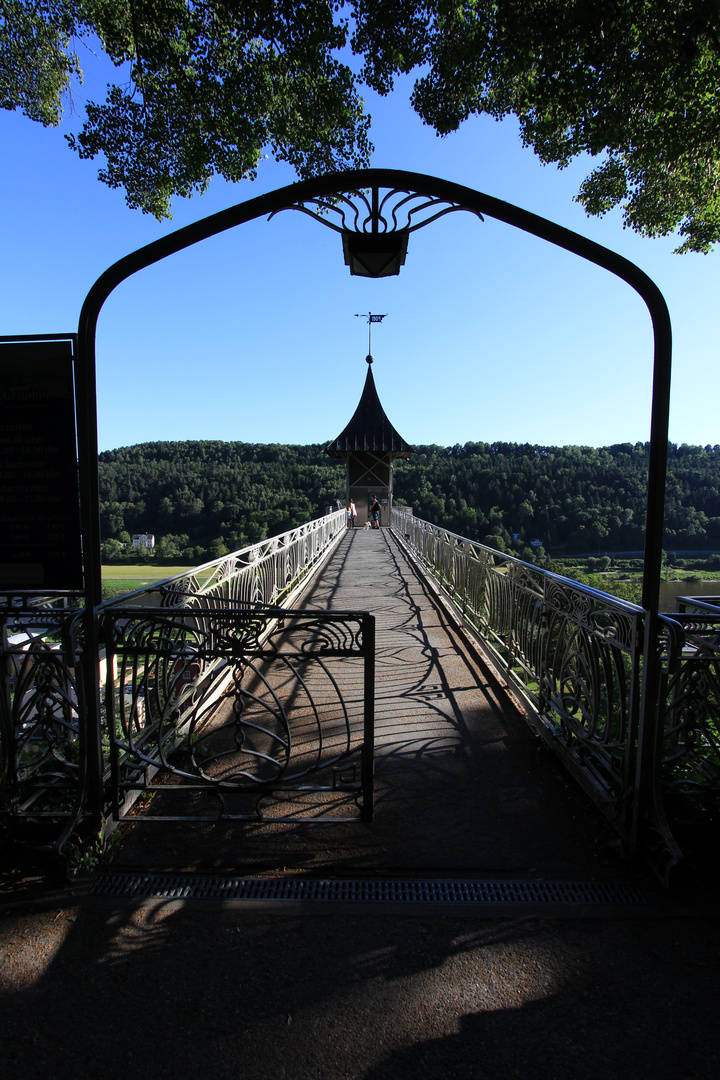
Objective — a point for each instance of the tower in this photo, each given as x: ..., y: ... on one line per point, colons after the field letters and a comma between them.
x: 370, y: 445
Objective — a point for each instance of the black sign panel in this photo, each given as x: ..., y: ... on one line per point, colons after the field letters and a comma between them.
x: 40, y: 546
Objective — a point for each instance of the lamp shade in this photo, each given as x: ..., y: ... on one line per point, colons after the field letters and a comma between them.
x: 375, y: 255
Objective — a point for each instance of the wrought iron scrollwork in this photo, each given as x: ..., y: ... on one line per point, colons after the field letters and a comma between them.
x: 264, y: 574
x: 377, y: 210
x: 42, y: 763
x: 169, y: 649
x: 238, y: 701
x: 375, y: 223
x: 572, y: 653
x: 690, y: 753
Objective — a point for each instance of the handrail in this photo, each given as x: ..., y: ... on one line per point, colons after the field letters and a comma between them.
x: 710, y: 605
x: 574, y: 656
x: 263, y: 573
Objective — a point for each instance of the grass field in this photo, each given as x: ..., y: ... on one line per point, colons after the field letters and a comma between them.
x: 144, y: 572
x: 124, y: 579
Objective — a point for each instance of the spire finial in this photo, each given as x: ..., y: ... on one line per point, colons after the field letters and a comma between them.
x: 371, y: 319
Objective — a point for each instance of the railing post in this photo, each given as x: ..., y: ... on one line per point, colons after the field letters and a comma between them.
x: 368, y: 750
x: 511, y: 637
x: 90, y: 717
x: 649, y: 829
x: 108, y: 632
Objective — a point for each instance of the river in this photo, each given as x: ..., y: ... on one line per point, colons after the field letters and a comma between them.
x: 670, y: 589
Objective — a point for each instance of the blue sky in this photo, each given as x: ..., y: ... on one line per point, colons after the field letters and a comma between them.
x: 490, y: 334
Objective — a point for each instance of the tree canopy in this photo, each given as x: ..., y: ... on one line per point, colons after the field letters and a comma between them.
x: 204, y: 87
x: 207, y: 86
x: 634, y: 82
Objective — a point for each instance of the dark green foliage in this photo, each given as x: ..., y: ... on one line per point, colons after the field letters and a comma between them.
x: 208, y: 87
x: 631, y: 84
x: 582, y: 498
x: 201, y: 498
x: 203, y: 88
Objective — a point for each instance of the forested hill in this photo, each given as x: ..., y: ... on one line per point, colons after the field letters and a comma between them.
x: 206, y: 497
x: 211, y: 496
x: 585, y: 498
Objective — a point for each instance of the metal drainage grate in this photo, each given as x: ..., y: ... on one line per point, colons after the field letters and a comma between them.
x: 198, y: 887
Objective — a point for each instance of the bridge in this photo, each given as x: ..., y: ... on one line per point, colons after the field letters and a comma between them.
x: 473, y: 707
x: 321, y: 679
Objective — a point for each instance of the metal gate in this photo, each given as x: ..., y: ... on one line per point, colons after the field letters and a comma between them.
x: 227, y: 711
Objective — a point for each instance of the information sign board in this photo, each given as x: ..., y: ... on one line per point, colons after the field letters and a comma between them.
x: 40, y: 544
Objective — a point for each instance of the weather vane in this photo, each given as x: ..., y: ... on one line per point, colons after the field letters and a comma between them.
x: 371, y: 319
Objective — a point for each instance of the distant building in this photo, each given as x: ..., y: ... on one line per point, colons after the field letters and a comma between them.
x: 146, y: 540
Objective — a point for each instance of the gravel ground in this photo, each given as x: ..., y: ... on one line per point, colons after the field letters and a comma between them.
x: 170, y: 990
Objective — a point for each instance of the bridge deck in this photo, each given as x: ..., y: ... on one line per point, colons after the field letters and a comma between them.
x: 462, y: 785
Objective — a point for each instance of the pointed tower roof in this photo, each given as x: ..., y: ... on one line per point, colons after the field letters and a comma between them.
x: 369, y: 430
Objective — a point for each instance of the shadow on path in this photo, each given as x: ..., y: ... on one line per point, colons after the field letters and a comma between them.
x: 462, y: 784
x: 171, y: 992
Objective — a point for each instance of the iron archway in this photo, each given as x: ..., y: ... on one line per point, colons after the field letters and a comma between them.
x: 370, y: 219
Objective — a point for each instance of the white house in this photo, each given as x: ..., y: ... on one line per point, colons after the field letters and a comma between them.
x: 146, y: 540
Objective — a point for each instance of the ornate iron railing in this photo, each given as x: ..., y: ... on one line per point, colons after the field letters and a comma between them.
x: 210, y: 691
x: 571, y: 652
x: 240, y: 705
x: 43, y: 763
x: 686, y: 777
x: 575, y: 656
x: 44, y: 745
x: 269, y: 573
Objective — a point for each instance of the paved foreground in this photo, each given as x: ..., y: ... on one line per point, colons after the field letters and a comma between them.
x: 229, y: 990
x: 167, y: 991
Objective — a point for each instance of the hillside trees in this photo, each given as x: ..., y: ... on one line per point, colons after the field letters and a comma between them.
x: 200, y: 494
x: 213, y: 492
x: 582, y: 498
x: 204, y: 86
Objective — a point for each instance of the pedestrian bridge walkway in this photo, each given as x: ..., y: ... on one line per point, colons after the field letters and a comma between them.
x: 244, y: 706
x: 461, y: 782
